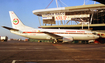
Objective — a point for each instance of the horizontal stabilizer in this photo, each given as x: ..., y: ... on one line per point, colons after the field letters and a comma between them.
x: 10, y: 28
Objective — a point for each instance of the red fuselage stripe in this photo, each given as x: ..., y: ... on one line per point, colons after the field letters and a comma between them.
x: 59, y: 32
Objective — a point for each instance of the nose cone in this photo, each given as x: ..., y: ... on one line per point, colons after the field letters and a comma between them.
x: 96, y: 36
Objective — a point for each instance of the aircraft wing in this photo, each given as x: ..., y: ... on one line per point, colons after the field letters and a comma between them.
x: 65, y: 39
x: 53, y: 35
x: 10, y: 28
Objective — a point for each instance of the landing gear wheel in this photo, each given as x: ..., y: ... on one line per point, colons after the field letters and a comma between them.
x: 55, y: 41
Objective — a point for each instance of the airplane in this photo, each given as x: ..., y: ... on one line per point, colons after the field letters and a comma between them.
x: 57, y: 35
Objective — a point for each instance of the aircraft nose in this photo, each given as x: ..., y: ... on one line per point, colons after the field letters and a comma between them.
x: 96, y: 36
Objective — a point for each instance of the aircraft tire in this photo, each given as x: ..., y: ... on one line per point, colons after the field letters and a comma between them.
x: 55, y: 41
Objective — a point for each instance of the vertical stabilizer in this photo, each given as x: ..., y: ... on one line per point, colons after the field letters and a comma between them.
x: 16, y: 23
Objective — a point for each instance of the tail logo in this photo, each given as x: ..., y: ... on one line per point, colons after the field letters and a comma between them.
x: 15, y: 21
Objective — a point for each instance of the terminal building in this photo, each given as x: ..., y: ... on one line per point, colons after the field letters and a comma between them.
x: 91, y: 17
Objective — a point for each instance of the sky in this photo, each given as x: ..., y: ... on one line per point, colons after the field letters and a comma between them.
x: 24, y: 8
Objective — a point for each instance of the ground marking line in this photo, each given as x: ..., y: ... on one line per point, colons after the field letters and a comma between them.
x: 50, y: 49
x: 14, y: 61
x: 45, y: 60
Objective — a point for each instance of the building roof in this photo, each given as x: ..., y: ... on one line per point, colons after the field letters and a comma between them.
x: 69, y: 9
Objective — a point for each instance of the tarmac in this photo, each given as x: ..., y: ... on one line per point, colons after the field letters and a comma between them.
x: 32, y: 52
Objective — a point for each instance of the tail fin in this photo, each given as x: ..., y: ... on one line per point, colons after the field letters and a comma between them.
x: 16, y: 23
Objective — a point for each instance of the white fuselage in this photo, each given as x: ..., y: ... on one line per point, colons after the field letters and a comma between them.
x: 38, y: 34
x: 65, y: 35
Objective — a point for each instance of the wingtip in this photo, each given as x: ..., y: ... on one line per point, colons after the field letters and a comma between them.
x: 3, y: 26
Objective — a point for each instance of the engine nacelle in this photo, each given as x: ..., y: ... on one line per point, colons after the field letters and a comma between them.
x: 67, y: 39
